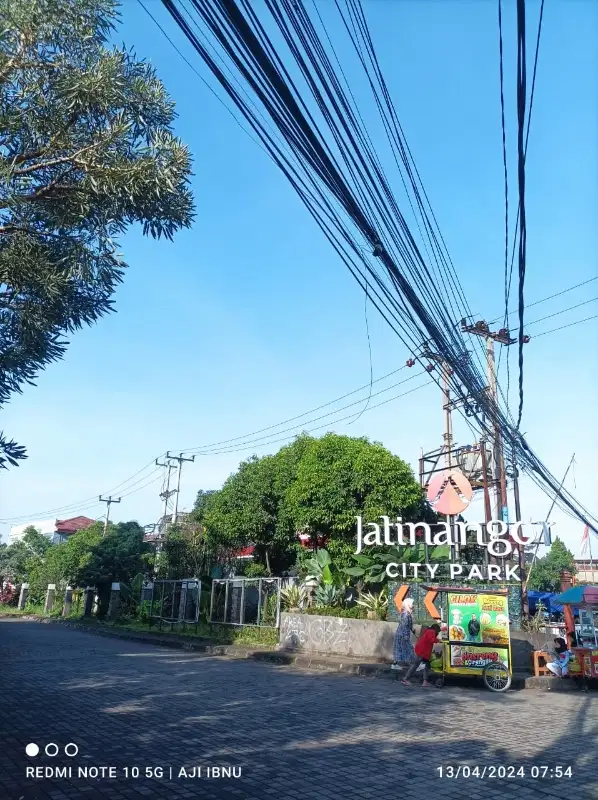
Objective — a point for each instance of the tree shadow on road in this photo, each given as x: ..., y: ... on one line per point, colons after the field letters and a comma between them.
x: 298, y: 734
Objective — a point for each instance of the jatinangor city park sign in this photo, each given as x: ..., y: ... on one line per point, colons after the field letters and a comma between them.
x: 450, y: 493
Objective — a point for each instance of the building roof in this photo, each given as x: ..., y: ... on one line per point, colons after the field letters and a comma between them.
x: 73, y: 525
x: 246, y: 552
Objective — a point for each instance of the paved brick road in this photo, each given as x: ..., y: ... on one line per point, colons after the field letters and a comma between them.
x: 294, y: 734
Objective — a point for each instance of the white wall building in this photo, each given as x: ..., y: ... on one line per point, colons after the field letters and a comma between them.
x: 45, y: 526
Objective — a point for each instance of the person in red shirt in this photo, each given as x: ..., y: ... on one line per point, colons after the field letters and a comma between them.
x: 423, y: 653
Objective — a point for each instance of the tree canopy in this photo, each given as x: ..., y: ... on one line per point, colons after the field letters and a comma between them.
x: 314, y: 486
x: 120, y: 556
x: 86, y: 150
x: 547, y: 571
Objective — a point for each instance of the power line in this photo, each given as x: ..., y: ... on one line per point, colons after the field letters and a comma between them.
x: 546, y: 299
x: 252, y: 445
x: 78, y: 505
x: 562, y: 311
x: 337, y: 176
x: 207, y: 449
x: 562, y: 327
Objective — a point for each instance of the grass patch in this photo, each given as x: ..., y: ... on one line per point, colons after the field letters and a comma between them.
x: 217, y: 634
x: 12, y: 611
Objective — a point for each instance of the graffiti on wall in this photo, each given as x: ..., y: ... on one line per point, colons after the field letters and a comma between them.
x: 315, y: 633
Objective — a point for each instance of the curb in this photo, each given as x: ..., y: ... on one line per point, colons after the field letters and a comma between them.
x: 281, y: 657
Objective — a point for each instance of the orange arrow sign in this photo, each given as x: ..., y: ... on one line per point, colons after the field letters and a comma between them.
x: 400, y: 596
x: 429, y: 604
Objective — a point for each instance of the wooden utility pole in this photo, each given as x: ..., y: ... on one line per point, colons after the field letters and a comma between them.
x: 180, y: 460
x: 108, y: 501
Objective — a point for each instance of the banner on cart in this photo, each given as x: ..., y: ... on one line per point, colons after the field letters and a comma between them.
x: 478, y: 618
x: 464, y: 657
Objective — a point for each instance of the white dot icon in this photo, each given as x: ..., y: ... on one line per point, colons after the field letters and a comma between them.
x: 32, y: 749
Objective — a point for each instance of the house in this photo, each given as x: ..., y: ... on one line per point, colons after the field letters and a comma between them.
x: 586, y: 570
x: 57, y: 530
x: 66, y: 527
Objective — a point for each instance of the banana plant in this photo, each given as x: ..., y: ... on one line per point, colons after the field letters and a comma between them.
x: 371, y: 567
x: 321, y: 569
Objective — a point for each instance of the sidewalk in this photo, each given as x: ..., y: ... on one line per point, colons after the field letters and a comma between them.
x: 310, y: 661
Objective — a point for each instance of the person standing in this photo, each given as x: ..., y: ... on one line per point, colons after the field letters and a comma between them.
x: 423, y: 653
x: 402, y: 650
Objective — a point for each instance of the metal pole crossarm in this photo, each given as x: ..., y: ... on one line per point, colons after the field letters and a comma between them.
x: 180, y: 460
x: 108, y: 500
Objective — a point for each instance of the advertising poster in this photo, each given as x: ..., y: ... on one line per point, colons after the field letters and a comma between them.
x: 494, y: 619
x: 464, y: 618
x: 478, y: 618
x: 474, y: 658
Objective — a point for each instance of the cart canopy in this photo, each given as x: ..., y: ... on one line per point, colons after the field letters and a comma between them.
x: 583, y: 594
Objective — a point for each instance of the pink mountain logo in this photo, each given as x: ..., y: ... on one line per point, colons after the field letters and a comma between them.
x: 449, y: 492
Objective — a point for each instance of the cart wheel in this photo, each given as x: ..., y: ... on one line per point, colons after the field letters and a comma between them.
x: 439, y: 683
x: 497, y: 677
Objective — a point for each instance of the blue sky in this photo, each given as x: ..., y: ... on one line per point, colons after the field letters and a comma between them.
x: 250, y: 318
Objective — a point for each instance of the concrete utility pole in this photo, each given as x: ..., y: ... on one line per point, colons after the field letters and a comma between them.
x: 502, y: 337
x: 447, y: 406
x: 180, y: 460
x: 108, y: 501
x: 165, y: 495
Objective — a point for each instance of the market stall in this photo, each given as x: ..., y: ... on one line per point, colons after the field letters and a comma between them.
x: 478, y: 640
x: 585, y: 656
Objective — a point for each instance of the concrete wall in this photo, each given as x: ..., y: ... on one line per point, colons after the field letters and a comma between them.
x: 362, y: 638
x: 368, y: 639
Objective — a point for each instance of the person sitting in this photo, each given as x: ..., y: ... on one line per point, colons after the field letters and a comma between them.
x: 559, y: 666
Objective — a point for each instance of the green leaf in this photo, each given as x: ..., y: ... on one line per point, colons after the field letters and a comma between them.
x: 356, y: 572
x: 327, y: 575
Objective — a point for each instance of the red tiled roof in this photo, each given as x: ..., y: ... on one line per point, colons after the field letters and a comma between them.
x: 246, y: 552
x: 73, y: 525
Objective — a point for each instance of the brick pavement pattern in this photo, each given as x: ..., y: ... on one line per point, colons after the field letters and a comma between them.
x: 294, y: 734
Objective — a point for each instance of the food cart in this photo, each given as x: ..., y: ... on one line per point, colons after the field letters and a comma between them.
x: 478, y: 639
x: 584, y: 663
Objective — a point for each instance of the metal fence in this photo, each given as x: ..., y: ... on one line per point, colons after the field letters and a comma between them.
x: 246, y: 601
x: 173, y: 603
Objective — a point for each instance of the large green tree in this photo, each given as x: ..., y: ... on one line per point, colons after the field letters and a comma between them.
x: 86, y: 149
x: 546, y: 573
x: 120, y: 556
x: 314, y: 486
x: 64, y: 561
x: 251, y: 507
x: 25, y: 557
x: 341, y: 477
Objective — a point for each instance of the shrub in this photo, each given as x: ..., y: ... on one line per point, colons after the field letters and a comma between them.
x: 9, y: 596
x: 255, y: 570
x: 336, y: 611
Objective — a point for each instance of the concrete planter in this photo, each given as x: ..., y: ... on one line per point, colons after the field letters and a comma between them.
x: 359, y: 638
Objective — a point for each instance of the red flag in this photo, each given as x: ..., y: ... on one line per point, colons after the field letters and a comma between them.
x: 585, y: 539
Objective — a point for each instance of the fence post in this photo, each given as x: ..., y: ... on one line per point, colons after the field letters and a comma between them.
x: 50, y: 594
x: 114, y: 607
x: 212, y: 601
x: 23, y: 596
x: 89, y: 599
x: 147, y: 591
x: 68, y: 602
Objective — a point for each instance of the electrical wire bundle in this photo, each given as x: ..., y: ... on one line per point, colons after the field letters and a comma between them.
x: 328, y: 156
